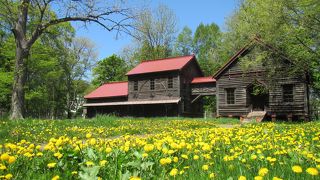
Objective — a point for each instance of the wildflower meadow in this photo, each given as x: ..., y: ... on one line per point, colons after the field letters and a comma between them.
x: 114, y: 148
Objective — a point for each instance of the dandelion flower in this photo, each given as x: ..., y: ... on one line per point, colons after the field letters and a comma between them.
x: 242, y: 178
x: 8, y: 176
x: 205, y: 167
x: 56, y: 177
x: 312, y: 171
x: 297, y: 169
x: 51, y: 165
x: 173, y: 172
x: 263, y: 171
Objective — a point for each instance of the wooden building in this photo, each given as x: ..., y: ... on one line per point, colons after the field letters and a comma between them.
x: 286, y: 98
x: 175, y: 87
x: 160, y: 87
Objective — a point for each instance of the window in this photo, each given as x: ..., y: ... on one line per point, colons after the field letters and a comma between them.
x: 151, y: 84
x: 135, y: 85
x: 230, y: 95
x: 287, y: 91
x: 170, y: 82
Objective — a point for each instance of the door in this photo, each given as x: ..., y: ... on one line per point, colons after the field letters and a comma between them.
x: 258, y: 101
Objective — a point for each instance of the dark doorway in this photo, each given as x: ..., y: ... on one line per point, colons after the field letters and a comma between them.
x: 257, y: 99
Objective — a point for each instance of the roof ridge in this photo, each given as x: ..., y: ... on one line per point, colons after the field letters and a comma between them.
x: 161, y: 59
x: 115, y: 82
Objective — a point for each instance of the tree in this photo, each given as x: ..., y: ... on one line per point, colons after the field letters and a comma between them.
x: 155, y: 33
x: 109, y: 69
x: 290, y: 26
x: 207, y: 39
x: 81, y: 57
x: 184, y: 42
x: 29, y: 19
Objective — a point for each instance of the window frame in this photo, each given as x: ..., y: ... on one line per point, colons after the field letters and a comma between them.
x: 288, y: 93
x: 152, y: 84
x: 170, y: 82
x: 135, y: 85
x: 230, y: 96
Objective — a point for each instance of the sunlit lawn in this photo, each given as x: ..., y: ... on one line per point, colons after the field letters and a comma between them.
x: 158, y: 148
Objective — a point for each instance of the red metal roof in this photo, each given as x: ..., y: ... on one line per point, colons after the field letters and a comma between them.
x: 159, y: 65
x: 198, y: 80
x: 113, y: 89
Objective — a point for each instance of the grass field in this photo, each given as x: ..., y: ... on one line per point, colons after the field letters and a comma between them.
x: 158, y: 148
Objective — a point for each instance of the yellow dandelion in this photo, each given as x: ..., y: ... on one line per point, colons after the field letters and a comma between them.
x: 56, y: 177
x: 135, y: 178
x: 51, y: 165
x: 89, y: 163
x: 263, y: 171
x: 212, y: 175
x: 148, y: 147
x: 8, y: 176
x: 276, y: 178
x: 108, y: 150
x: 4, y: 157
x: 173, y: 172
x: 296, y: 169
x: 103, y: 163
x: 205, y: 167
x: 88, y: 135
x: 242, y: 178
x: 312, y: 171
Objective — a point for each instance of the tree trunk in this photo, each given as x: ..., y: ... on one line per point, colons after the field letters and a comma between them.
x: 17, y: 100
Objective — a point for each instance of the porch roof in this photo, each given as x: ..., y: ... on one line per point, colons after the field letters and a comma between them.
x: 170, y: 101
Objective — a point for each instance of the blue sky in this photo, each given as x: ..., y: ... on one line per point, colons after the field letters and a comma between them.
x: 189, y: 13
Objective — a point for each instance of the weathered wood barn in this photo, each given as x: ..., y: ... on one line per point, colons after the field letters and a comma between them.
x: 175, y: 87
x: 160, y: 87
x: 286, y: 97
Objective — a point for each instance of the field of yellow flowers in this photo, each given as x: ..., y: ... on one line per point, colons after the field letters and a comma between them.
x: 111, y: 148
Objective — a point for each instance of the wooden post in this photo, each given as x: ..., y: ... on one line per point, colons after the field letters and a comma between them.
x: 289, y: 116
x: 273, y: 117
x: 306, y: 118
x: 241, y: 119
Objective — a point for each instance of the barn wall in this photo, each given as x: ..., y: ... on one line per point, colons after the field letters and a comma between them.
x: 161, y: 91
x: 187, y: 74
x: 235, y: 77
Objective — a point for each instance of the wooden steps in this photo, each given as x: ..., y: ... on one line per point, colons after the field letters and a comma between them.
x: 254, y: 116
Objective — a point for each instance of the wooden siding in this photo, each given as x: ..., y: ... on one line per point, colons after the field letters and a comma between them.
x: 187, y: 74
x: 236, y: 78
x: 203, y: 89
x: 161, y: 90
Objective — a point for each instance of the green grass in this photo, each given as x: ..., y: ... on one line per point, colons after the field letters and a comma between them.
x: 227, y: 151
x: 41, y: 130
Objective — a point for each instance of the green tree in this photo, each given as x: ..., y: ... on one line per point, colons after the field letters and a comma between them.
x: 109, y: 69
x: 29, y: 19
x: 184, y: 42
x: 207, y: 39
x: 155, y: 33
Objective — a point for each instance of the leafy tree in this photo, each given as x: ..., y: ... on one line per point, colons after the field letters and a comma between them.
x: 289, y: 26
x: 155, y: 33
x: 184, y: 42
x: 29, y: 19
x: 206, y: 41
x: 80, y: 58
x: 109, y: 69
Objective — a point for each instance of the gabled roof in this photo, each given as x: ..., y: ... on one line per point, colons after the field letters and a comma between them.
x: 233, y: 59
x: 160, y: 65
x: 113, y: 89
x: 199, y: 80
x: 254, y: 41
